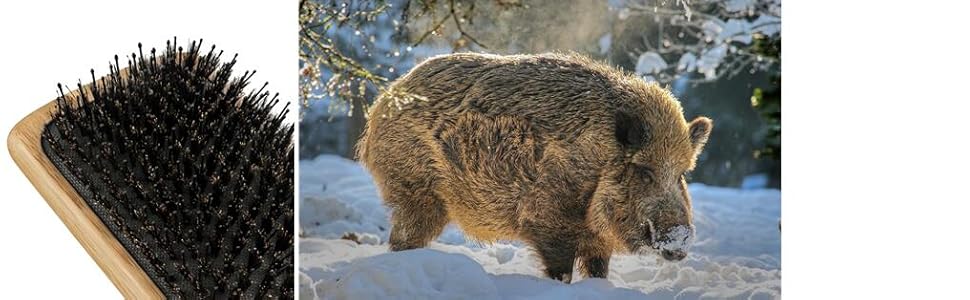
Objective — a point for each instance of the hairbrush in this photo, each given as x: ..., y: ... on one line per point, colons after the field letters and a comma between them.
x: 173, y: 176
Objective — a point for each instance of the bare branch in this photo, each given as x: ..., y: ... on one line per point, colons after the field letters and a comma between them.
x: 454, y: 15
x: 434, y: 28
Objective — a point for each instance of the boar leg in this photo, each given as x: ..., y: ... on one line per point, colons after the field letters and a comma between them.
x: 594, y: 258
x: 557, y: 251
x: 418, y: 218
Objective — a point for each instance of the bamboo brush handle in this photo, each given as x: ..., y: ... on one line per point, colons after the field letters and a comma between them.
x: 24, y: 144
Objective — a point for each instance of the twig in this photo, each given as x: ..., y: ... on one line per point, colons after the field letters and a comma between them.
x: 427, y: 33
x: 454, y: 15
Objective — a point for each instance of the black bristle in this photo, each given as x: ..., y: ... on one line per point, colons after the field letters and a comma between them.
x: 192, y: 174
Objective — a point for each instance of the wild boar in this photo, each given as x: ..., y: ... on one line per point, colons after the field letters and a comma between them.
x: 573, y: 157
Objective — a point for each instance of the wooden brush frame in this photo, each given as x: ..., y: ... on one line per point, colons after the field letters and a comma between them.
x: 24, y: 144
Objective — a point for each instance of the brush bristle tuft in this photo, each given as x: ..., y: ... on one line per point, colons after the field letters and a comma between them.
x: 193, y: 174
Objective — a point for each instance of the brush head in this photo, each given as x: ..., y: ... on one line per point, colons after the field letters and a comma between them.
x: 190, y: 173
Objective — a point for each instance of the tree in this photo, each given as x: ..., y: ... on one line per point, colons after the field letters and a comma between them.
x: 768, y: 103
x: 329, y: 67
x: 706, y: 40
x: 350, y: 69
x: 351, y: 49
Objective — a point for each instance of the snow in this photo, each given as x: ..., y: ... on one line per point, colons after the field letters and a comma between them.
x: 605, y: 42
x: 678, y: 239
x: 767, y: 25
x: 446, y: 276
x: 338, y: 196
x: 740, y: 30
x: 650, y: 62
x: 737, y: 5
x: 710, y: 59
x: 736, y: 30
x: 736, y: 254
x: 755, y: 181
x: 687, y: 62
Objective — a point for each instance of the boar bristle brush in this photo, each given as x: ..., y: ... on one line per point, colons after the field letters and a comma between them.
x: 177, y: 182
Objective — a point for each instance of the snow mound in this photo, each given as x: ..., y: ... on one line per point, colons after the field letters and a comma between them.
x: 338, y: 196
x: 416, y: 274
x: 441, y: 272
x: 736, y: 253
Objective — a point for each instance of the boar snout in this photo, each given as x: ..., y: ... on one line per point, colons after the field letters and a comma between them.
x: 674, y: 244
x: 673, y: 255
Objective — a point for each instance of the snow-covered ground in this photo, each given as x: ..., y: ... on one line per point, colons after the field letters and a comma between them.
x: 737, y: 254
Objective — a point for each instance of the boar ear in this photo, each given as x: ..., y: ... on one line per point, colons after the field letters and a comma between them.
x: 630, y: 131
x: 700, y: 130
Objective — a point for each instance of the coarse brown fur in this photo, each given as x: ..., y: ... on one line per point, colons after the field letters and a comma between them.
x: 572, y: 156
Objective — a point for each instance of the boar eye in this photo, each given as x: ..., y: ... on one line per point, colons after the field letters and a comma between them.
x: 645, y: 172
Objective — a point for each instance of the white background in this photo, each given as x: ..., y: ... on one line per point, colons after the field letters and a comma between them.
x: 875, y: 201
x: 48, y: 42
